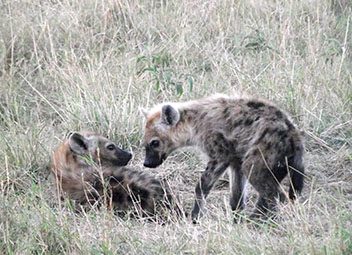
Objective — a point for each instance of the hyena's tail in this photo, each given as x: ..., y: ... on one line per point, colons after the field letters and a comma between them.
x: 296, y: 173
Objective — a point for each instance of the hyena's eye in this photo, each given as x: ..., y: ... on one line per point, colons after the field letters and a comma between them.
x: 111, y: 147
x: 154, y: 144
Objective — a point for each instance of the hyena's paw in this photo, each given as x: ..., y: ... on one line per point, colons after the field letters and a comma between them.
x: 282, y: 197
x: 260, y: 215
x: 197, y: 214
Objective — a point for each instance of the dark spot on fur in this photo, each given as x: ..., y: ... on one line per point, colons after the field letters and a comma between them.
x: 216, y: 144
x: 226, y: 151
x: 220, y: 137
x: 237, y: 123
x: 144, y: 203
x: 289, y: 124
x: 292, y: 144
x: 98, y: 185
x: 142, y: 177
x: 155, y: 182
x: 279, y: 114
x: 255, y: 152
x: 255, y: 105
x: 116, y: 179
x: 257, y: 118
x: 211, y: 167
x: 118, y: 197
x: 271, y: 108
x: 159, y: 190
x: 185, y: 115
x: 266, y: 130
x: 226, y: 112
x: 131, y: 174
x: 139, y: 192
x: 203, y: 115
x: 248, y: 122
x: 282, y: 134
x: 211, y: 151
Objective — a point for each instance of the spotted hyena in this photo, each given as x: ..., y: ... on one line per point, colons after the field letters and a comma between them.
x: 253, y: 138
x: 90, y: 169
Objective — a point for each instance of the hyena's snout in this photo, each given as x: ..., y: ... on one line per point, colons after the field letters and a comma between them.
x: 123, y: 157
x: 153, y: 158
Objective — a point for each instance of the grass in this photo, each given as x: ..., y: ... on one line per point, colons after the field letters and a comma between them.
x: 72, y: 65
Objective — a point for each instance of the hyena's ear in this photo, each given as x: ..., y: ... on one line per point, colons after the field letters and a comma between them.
x: 170, y: 115
x: 78, y: 144
x: 68, y: 134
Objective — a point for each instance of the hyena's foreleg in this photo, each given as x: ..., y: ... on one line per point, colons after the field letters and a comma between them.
x: 211, y: 174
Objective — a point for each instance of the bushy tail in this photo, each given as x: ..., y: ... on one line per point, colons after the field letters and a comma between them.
x: 296, y: 173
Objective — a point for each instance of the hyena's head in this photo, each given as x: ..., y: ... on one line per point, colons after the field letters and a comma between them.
x: 98, y: 148
x: 160, y: 134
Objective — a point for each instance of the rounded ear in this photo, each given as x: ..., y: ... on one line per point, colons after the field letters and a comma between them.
x: 170, y: 115
x: 68, y: 134
x: 78, y: 144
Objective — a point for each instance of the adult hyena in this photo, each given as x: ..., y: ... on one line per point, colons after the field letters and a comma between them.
x: 90, y: 169
x: 252, y: 137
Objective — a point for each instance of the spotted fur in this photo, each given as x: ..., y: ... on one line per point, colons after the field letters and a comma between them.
x: 253, y: 138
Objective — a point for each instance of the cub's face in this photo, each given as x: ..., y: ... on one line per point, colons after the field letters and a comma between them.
x: 99, y: 148
x: 157, y: 148
x: 158, y: 142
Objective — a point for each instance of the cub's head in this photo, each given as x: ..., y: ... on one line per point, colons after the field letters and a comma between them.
x: 99, y: 148
x: 159, y: 134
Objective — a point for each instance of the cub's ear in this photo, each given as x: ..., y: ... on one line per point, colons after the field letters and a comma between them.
x: 170, y: 115
x: 68, y: 134
x: 143, y: 111
x: 78, y: 144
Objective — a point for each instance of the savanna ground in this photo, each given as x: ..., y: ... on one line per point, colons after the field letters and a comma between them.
x: 73, y: 65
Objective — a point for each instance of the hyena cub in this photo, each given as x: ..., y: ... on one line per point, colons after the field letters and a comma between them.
x: 253, y: 138
x: 89, y: 169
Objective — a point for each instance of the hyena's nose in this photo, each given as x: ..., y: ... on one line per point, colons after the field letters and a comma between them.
x: 149, y: 163
x: 146, y: 163
x: 129, y: 155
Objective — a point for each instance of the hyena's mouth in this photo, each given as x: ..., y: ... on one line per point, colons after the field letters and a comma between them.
x: 154, y: 160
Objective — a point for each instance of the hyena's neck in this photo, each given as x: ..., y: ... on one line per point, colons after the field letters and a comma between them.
x: 188, y: 127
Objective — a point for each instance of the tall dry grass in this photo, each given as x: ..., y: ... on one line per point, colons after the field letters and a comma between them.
x: 72, y: 65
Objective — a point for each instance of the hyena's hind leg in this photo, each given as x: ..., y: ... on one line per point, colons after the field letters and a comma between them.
x: 265, y: 179
x: 211, y: 174
x: 237, y: 186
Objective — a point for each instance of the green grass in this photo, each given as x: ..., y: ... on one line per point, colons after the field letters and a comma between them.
x: 73, y: 65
